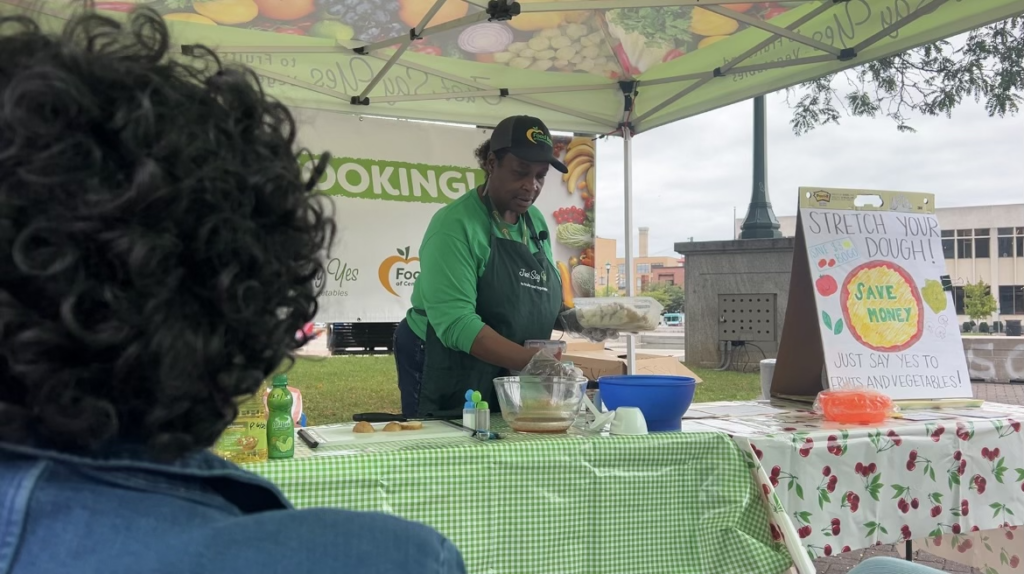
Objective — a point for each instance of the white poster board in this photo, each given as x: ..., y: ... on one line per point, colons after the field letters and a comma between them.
x: 883, y: 309
x: 385, y: 181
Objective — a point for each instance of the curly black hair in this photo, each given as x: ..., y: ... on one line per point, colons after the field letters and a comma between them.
x: 158, y: 244
x: 483, y: 151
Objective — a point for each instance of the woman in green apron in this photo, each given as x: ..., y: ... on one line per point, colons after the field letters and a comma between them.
x: 487, y: 279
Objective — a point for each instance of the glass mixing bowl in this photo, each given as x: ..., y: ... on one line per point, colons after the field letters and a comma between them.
x: 540, y: 404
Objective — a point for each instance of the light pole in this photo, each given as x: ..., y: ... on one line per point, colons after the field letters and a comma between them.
x: 607, y: 278
x: 760, y: 222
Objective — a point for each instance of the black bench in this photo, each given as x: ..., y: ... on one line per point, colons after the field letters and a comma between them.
x: 361, y: 338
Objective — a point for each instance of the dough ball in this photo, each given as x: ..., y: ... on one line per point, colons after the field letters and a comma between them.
x: 363, y: 427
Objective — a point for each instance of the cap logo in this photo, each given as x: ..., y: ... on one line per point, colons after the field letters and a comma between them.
x: 537, y: 135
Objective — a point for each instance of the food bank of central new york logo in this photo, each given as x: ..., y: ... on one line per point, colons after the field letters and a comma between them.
x: 400, y: 270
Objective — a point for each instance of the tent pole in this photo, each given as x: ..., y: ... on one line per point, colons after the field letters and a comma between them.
x: 627, y: 157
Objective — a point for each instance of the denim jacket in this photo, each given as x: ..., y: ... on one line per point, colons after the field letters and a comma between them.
x: 120, y: 513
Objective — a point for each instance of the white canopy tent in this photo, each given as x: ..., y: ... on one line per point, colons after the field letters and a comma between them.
x: 616, y: 67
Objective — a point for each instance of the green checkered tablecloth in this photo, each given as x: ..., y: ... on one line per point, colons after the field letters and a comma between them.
x: 661, y: 503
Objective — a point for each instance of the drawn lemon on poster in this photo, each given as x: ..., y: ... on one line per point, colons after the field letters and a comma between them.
x: 934, y: 295
x: 882, y: 306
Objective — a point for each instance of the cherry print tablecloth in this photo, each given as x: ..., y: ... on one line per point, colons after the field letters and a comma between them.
x: 956, y: 486
x: 998, y: 551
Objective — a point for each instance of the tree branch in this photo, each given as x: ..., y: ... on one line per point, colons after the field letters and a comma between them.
x: 987, y: 66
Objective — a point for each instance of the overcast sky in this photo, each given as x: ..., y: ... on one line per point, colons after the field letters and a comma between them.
x: 688, y: 176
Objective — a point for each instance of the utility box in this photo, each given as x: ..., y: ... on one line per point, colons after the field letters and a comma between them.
x: 747, y: 317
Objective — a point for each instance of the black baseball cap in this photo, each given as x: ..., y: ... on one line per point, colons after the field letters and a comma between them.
x: 528, y: 139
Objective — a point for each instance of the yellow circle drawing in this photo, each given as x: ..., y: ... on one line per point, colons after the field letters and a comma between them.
x: 882, y: 306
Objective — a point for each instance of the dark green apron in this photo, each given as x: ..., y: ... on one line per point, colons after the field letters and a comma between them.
x: 519, y: 296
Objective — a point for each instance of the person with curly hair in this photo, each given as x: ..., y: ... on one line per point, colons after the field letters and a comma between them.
x: 158, y: 249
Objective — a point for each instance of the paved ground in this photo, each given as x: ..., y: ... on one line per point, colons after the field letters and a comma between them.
x: 1000, y: 393
x: 844, y: 562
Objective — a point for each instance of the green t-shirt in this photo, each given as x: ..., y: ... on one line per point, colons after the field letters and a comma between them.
x: 453, y: 257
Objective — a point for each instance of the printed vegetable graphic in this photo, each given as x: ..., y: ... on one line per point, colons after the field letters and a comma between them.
x: 934, y: 296
x: 773, y: 12
x: 188, y: 17
x: 575, y: 235
x: 332, y: 29
x: 649, y: 36
x: 485, y: 38
x: 115, y: 6
x: 227, y: 11
x: 533, y: 21
x: 567, y: 298
x: 384, y: 271
x: 285, y: 9
x: 583, y: 280
x: 579, y: 169
x: 561, y: 41
x: 826, y: 285
x: 412, y: 11
x: 707, y: 23
x: 580, y: 160
x: 570, y: 215
x: 577, y: 148
x: 587, y: 258
x: 710, y: 40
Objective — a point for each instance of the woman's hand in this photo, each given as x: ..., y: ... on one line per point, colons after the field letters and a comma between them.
x: 548, y: 364
x: 492, y: 348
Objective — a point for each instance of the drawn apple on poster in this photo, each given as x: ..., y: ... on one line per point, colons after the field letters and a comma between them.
x: 826, y: 284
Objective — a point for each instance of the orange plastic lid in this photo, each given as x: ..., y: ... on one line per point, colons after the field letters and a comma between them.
x: 854, y: 406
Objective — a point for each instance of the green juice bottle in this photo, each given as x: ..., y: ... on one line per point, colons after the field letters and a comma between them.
x: 280, y: 426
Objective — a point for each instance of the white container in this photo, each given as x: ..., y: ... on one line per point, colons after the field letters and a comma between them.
x: 628, y: 421
x: 767, y: 371
x: 623, y: 314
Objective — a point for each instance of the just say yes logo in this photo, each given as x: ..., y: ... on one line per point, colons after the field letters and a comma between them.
x: 400, y: 270
x: 338, y: 274
x: 536, y: 277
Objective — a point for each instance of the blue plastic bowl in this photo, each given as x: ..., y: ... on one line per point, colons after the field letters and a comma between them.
x: 662, y: 399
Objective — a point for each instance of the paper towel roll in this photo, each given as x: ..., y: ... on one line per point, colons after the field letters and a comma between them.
x: 767, y: 370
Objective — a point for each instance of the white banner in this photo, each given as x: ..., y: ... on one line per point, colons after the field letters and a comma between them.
x: 387, y: 178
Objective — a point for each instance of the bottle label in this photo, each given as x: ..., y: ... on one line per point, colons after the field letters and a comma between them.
x: 243, y: 441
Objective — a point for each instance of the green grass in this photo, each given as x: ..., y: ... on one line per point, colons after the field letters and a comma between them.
x: 335, y: 388
x: 726, y: 386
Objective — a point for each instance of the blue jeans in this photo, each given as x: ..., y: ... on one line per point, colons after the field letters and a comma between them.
x: 410, y: 353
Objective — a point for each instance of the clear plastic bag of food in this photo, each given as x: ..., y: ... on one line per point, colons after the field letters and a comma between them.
x: 623, y: 314
x: 854, y: 406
